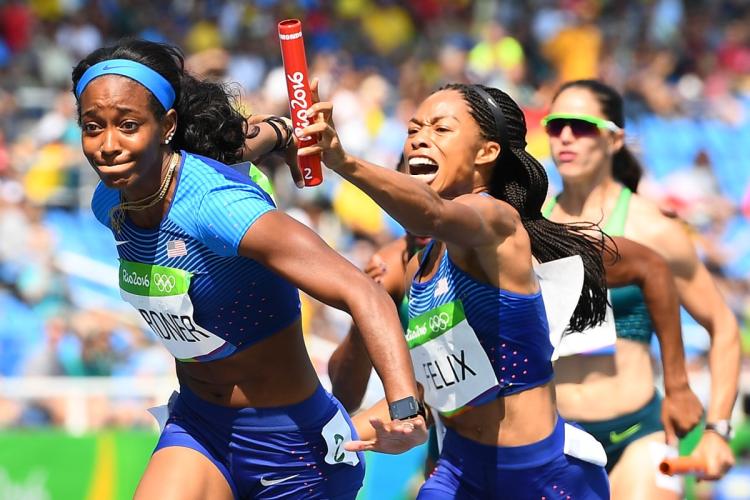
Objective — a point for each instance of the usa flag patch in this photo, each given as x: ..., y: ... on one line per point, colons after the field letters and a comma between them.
x: 176, y: 248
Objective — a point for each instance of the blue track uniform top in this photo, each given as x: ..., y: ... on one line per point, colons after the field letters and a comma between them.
x: 511, y: 329
x: 202, y: 300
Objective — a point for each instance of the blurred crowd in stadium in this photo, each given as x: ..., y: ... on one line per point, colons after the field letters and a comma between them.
x: 684, y: 68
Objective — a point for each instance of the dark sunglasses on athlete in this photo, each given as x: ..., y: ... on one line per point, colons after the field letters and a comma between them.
x: 580, y: 125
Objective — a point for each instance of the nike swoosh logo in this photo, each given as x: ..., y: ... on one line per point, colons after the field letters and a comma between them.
x: 617, y: 437
x: 107, y: 66
x: 121, y: 242
x: 271, y: 482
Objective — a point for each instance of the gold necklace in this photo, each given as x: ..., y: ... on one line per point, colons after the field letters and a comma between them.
x: 117, y: 213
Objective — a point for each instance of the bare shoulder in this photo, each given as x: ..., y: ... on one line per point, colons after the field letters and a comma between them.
x: 498, y: 213
x: 668, y: 236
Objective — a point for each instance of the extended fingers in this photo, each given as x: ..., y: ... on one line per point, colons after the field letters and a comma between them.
x: 296, y: 174
x: 310, y: 150
x: 359, y: 446
x: 669, y: 432
x: 321, y: 109
x: 315, y: 128
x: 378, y: 424
x: 314, y: 85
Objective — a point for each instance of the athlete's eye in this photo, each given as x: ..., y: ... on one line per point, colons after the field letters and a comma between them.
x: 129, y: 126
x: 90, y: 127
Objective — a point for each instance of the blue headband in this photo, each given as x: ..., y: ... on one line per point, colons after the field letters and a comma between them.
x: 153, y: 81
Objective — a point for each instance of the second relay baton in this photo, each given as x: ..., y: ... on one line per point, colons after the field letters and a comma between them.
x: 682, y: 465
x: 300, y: 97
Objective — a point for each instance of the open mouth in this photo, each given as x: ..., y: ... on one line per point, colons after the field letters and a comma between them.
x: 423, y: 168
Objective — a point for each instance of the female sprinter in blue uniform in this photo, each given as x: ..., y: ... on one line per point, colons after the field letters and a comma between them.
x: 213, y: 268
x: 477, y: 322
x: 636, y: 266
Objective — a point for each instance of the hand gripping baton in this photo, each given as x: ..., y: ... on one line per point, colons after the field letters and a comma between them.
x: 682, y: 465
x: 300, y: 97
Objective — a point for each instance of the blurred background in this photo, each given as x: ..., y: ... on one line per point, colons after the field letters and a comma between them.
x: 78, y: 368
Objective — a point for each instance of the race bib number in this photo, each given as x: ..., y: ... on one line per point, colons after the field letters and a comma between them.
x: 337, y: 432
x: 448, y: 359
x: 160, y: 294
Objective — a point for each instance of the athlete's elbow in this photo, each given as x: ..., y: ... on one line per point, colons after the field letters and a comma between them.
x: 365, y: 295
x: 349, y: 399
x: 724, y: 327
x: 426, y: 223
x: 652, y: 267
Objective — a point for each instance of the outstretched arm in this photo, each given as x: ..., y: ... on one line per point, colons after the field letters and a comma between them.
x: 469, y: 220
x: 639, y: 265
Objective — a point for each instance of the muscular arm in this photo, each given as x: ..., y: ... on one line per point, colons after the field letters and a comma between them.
x: 260, y: 143
x: 467, y: 221
x: 643, y: 267
x: 349, y: 366
x: 705, y: 304
x: 700, y: 296
x: 299, y: 255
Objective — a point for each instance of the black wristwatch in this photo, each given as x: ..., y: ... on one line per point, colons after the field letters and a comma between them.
x: 406, y: 408
x: 721, y: 427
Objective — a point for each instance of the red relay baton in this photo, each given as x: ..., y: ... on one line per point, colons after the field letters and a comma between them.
x: 300, y: 97
x: 682, y: 465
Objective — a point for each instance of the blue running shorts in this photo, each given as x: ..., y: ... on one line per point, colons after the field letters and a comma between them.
x: 294, y: 451
x: 539, y: 471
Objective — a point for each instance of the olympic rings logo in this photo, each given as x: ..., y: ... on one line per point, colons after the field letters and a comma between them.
x: 439, y: 321
x: 164, y: 282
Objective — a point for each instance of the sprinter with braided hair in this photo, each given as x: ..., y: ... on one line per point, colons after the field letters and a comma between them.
x: 478, y: 330
x: 522, y: 183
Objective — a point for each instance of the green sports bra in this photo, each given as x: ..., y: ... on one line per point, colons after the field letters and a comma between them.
x: 632, y: 320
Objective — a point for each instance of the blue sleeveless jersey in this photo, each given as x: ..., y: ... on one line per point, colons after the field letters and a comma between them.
x: 227, y: 303
x: 512, y: 328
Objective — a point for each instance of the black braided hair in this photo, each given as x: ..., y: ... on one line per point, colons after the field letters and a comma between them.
x: 626, y: 169
x: 207, y: 121
x: 520, y: 180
